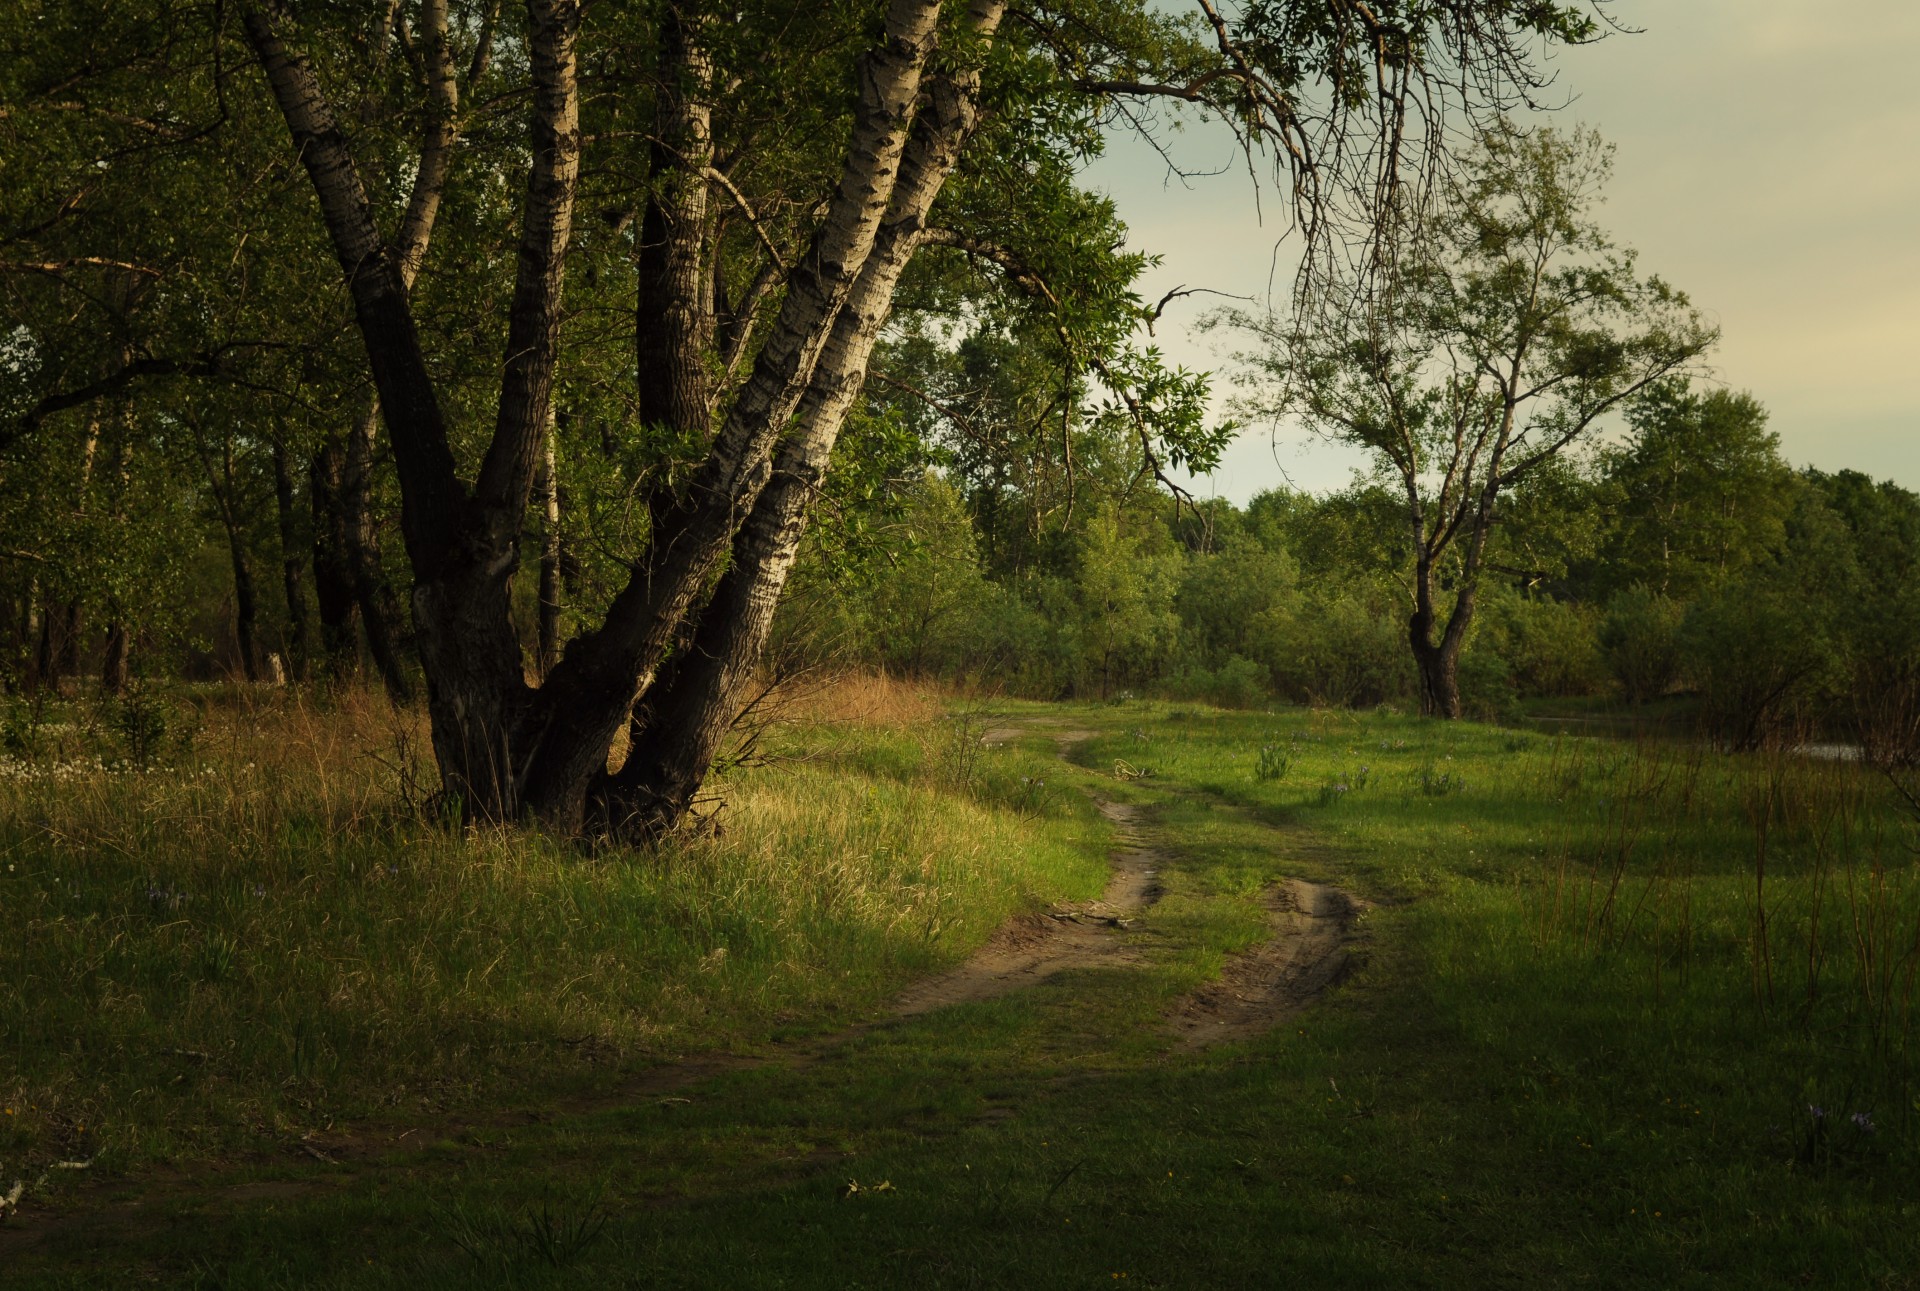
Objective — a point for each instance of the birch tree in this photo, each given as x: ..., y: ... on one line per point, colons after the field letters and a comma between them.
x: 1504, y: 327
x: 744, y: 190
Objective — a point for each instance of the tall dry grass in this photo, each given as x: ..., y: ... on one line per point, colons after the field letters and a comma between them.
x: 266, y: 927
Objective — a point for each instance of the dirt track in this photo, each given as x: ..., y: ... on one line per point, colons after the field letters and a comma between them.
x: 1310, y: 952
x: 1033, y: 947
x: 1311, y: 949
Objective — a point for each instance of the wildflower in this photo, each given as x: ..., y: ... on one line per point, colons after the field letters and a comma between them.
x: 1817, y: 1112
x: 1862, y: 1121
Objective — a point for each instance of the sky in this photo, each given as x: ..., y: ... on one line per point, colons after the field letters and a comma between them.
x: 1767, y: 163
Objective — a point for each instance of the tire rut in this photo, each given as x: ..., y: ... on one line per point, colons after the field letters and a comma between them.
x: 1033, y: 947
x: 1315, y: 944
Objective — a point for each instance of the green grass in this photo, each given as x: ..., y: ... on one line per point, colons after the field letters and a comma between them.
x: 254, y: 941
x: 1529, y: 1084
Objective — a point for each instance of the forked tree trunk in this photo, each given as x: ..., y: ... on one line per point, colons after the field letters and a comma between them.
x: 683, y: 720
x: 502, y: 748
x: 1436, y: 648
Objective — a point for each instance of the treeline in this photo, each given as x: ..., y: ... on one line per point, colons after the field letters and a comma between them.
x: 1685, y: 558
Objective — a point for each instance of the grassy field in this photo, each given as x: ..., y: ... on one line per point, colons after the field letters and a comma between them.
x: 1631, y: 1014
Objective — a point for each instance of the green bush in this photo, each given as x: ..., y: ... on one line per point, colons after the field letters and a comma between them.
x: 1640, y: 638
x: 1759, y: 659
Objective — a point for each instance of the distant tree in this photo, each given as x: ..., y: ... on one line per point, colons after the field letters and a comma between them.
x: 1492, y: 335
x: 1766, y: 649
x: 1880, y: 622
x: 1698, y: 492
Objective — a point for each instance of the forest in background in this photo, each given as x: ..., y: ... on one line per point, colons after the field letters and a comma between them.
x: 1687, y: 558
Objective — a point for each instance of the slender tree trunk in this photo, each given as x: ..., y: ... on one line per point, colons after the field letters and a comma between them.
x: 333, y: 589
x: 246, y: 603
x: 379, y: 611
x: 116, y: 660
x: 66, y: 661
x: 673, y: 322
x: 46, y: 652
x: 33, y: 624
x: 291, y: 565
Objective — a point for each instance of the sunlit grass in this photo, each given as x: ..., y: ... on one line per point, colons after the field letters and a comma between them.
x: 1652, y: 924
x: 257, y: 935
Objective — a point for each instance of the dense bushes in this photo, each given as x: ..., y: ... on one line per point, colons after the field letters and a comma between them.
x: 1787, y: 605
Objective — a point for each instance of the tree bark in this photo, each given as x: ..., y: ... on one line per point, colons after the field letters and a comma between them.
x: 66, y: 657
x: 590, y: 693
x: 116, y: 659
x: 547, y: 643
x: 673, y: 328
x: 1438, y: 660
x: 246, y: 604
x: 503, y: 749
x: 683, y: 720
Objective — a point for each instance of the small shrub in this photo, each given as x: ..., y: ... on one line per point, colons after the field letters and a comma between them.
x: 23, y: 728
x: 1274, y: 762
x: 141, y: 719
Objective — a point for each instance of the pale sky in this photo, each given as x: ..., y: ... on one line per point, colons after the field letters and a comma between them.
x: 1768, y: 164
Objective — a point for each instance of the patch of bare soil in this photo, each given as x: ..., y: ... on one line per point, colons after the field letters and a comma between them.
x: 1063, y: 739
x: 1035, y: 947
x: 1314, y: 946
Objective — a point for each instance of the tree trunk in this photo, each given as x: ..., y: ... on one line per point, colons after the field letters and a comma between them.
x: 673, y: 324
x: 66, y: 652
x: 379, y: 611
x: 1439, y: 680
x: 504, y: 750
x: 1438, y: 661
x: 547, y: 645
x: 684, y: 718
x: 43, y: 651
x: 115, y: 663
x: 32, y: 633
x: 592, y: 690
x: 333, y: 590
x: 291, y: 564
x: 246, y: 606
